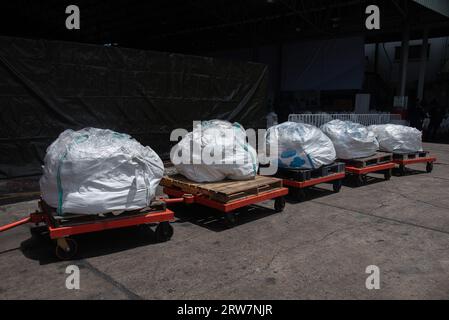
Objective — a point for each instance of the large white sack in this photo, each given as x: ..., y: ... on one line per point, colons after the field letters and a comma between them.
x: 299, y: 146
x: 397, y: 138
x: 93, y: 171
x: 235, y: 158
x: 351, y: 140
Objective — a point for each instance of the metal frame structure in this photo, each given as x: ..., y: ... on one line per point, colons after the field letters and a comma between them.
x: 360, y: 173
x: 404, y: 162
x: 228, y: 207
x: 314, y: 181
x: 66, y: 248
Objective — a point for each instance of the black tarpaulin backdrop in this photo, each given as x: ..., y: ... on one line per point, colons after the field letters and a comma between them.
x: 49, y: 86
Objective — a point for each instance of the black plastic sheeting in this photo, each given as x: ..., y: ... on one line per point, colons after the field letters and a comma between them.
x: 49, y: 86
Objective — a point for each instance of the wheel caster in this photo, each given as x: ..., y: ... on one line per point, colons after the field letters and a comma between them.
x: 429, y: 167
x: 361, y: 180
x: 66, y: 248
x: 229, y: 219
x: 401, y: 170
x: 164, y: 231
x: 145, y: 232
x: 387, y: 174
x: 336, y: 186
x: 279, y: 204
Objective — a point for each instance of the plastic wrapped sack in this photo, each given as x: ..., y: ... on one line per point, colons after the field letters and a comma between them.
x: 397, y: 138
x: 351, y: 140
x: 300, y: 146
x: 94, y: 171
x: 233, y: 157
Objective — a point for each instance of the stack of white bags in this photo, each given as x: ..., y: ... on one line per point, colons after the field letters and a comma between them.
x: 397, y: 139
x: 225, y: 145
x: 351, y: 140
x: 299, y: 146
x: 303, y: 146
x: 95, y: 171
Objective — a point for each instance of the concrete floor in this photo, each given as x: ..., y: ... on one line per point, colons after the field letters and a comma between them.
x: 318, y: 249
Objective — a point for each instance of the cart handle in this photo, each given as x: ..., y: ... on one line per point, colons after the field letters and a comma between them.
x: 15, y: 224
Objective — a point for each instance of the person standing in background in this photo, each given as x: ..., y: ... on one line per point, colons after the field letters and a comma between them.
x: 436, y: 117
x: 420, y: 115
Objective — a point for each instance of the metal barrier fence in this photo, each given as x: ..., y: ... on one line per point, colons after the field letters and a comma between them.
x: 365, y: 119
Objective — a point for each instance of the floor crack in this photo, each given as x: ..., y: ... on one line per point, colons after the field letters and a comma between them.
x: 130, y: 294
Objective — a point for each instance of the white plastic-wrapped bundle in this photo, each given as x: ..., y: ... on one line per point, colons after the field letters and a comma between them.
x: 299, y: 146
x: 397, y: 138
x: 214, y: 151
x: 351, y: 140
x: 94, y: 171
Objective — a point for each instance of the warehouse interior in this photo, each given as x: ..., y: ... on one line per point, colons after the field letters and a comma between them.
x: 145, y: 68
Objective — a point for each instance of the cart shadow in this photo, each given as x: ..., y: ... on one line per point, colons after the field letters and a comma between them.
x: 408, y: 172
x: 310, y: 193
x: 350, y: 182
x: 41, y: 248
x: 214, y: 220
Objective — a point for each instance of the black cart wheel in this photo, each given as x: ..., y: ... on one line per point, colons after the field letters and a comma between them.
x: 360, y: 180
x: 429, y: 167
x: 387, y: 174
x: 229, y: 219
x: 279, y: 204
x: 164, y: 231
x: 69, y: 252
x: 401, y: 170
x: 337, y: 185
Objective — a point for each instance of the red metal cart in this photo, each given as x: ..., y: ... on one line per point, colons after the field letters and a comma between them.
x: 300, y: 186
x: 359, y: 168
x: 299, y: 180
x: 413, y: 158
x: 61, y: 229
x: 360, y: 174
x: 241, y: 194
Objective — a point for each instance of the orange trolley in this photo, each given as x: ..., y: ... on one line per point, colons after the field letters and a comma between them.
x: 61, y: 228
x: 412, y: 158
x: 381, y: 162
x: 227, y: 196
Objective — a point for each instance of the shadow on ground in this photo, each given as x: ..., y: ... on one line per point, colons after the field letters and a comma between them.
x: 217, y: 221
x: 408, y: 172
x: 351, y: 181
x: 310, y: 193
x: 41, y: 248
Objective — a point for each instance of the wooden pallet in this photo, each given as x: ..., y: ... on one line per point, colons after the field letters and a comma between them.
x: 223, y: 191
x: 70, y: 219
x: 376, y: 159
x: 308, y: 174
x: 409, y: 156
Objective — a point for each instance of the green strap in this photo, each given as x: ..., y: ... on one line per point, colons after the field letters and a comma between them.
x: 77, y: 140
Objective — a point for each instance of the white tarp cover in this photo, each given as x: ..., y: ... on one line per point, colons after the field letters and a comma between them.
x: 94, y: 171
x: 397, y: 138
x: 351, y: 140
x: 235, y: 158
x: 300, y: 146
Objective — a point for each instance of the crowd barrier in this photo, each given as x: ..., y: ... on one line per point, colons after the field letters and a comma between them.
x: 365, y: 119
